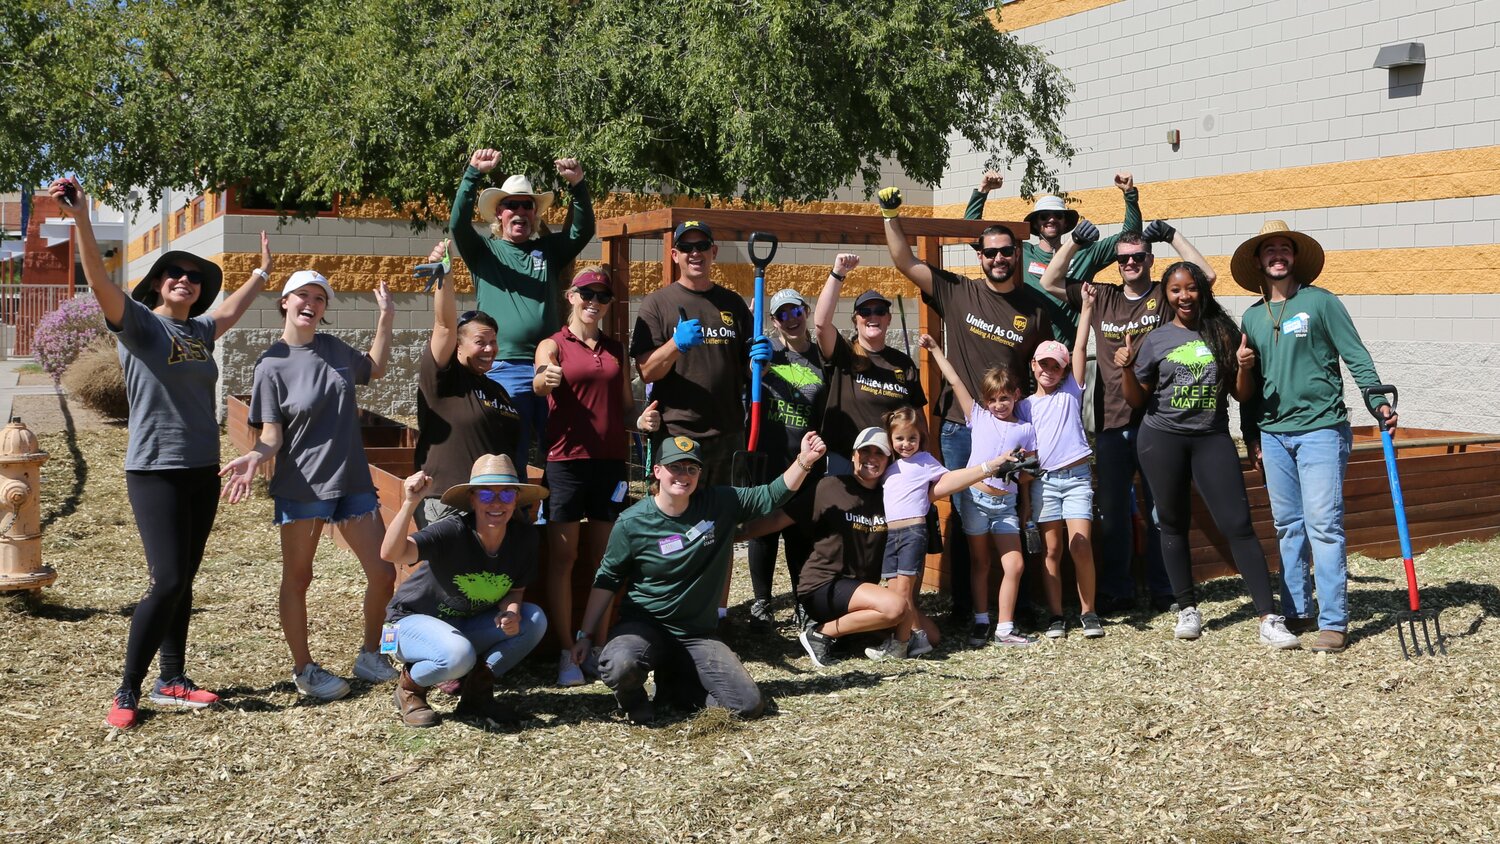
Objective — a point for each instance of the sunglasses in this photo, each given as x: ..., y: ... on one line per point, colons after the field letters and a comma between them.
x: 590, y: 294
x: 1132, y: 258
x: 1049, y: 215
x: 465, y: 318
x: 790, y: 312
x: 992, y: 251
x: 490, y: 496
x: 174, y: 271
x: 518, y: 205
x: 873, y: 311
x: 695, y: 246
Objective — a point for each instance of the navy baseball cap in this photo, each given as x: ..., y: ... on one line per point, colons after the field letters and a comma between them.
x: 690, y: 226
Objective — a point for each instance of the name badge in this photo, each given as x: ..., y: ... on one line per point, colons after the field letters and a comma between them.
x: 1036, y: 268
x: 699, y: 529
x: 388, y: 639
x: 620, y: 489
x: 670, y: 545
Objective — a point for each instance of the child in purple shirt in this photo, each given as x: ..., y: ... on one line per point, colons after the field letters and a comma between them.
x: 987, y: 508
x: 1062, y: 498
x: 914, y: 480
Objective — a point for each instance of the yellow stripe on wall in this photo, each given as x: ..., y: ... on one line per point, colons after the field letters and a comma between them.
x: 1417, y: 177
x: 1024, y: 13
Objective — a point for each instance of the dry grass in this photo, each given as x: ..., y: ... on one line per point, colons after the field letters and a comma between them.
x: 1133, y: 737
x: 96, y: 379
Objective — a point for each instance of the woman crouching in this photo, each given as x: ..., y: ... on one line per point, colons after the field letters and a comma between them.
x: 466, y: 566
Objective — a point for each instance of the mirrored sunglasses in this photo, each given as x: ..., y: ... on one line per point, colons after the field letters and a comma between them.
x: 490, y: 496
x: 790, y: 312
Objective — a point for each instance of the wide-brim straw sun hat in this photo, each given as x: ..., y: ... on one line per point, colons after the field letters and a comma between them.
x: 490, y: 198
x: 494, y: 470
x: 1245, y: 265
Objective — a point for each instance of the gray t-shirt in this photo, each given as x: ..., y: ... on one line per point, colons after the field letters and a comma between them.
x: 309, y: 391
x: 170, y: 381
x: 1189, y: 397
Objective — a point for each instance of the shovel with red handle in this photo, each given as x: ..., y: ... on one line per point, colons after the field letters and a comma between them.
x: 1407, y: 621
x: 751, y: 466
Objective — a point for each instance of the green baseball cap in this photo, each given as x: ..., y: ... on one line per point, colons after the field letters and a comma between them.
x: 678, y: 449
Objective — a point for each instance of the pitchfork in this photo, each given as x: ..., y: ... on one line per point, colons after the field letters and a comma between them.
x: 1406, y: 620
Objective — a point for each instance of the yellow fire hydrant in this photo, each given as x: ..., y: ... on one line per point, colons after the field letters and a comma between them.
x: 21, y: 462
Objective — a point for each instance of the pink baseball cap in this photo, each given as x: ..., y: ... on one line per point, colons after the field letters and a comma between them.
x: 1054, y: 350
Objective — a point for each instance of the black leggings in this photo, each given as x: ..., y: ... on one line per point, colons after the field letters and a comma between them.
x: 174, y: 512
x: 763, y: 557
x: 1210, y: 461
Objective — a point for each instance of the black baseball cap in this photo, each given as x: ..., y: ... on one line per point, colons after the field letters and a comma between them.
x: 690, y: 226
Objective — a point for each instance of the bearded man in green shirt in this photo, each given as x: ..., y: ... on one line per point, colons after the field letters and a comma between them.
x: 1296, y: 335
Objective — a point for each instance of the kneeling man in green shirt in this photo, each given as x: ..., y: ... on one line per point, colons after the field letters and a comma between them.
x: 671, y: 553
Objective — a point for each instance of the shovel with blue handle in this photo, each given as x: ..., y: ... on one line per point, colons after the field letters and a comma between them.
x: 749, y: 467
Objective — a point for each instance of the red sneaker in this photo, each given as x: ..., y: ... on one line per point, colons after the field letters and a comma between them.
x: 123, y: 714
x: 181, y: 692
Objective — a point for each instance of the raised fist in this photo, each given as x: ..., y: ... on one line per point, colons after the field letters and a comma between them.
x: 1085, y: 233
x: 569, y: 169
x: 890, y: 202
x: 1158, y: 231
x: 484, y: 160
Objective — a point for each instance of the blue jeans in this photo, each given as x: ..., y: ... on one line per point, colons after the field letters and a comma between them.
x: 515, y: 376
x: 436, y: 651
x: 1116, y: 462
x: 956, y: 441
x: 1305, y: 480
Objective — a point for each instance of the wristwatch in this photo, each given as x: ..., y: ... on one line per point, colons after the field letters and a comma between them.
x: 580, y: 636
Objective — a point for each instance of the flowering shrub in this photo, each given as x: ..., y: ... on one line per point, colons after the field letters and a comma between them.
x: 65, y: 332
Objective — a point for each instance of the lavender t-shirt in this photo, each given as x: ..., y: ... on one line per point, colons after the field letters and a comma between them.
x: 994, y: 438
x: 906, y: 484
x: 1058, y: 419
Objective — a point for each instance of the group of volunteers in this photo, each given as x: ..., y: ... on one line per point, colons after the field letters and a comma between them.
x: 852, y: 469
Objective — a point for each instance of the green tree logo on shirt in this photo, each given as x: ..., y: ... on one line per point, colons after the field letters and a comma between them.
x: 1195, y: 383
x: 483, y: 589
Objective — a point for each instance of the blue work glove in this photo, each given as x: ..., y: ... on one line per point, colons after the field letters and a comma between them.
x: 890, y: 202
x: 689, y: 332
x: 1085, y: 233
x: 1158, y: 231
x: 760, y: 350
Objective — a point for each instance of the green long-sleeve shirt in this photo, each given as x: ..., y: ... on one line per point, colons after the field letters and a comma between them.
x: 674, y: 567
x: 1086, y: 263
x: 519, y: 285
x: 1299, y: 342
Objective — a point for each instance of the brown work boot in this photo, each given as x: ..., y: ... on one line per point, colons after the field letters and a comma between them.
x: 477, y: 698
x: 411, y: 702
x: 1329, y: 642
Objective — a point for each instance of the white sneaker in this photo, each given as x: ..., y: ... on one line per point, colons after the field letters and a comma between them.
x: 919, y: 643
x: 313, y: 681
x: 568, y: 672
x: 1273, y: 632
x: 1189, y: 624
x: 374, y: 668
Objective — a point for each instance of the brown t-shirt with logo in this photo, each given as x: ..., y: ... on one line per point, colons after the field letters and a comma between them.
x: 461, y: 415
x: 982, y: 328
x: 702, y: 396
x: 849, y: 521
x: 864, y: 387
x: 1115, y: 315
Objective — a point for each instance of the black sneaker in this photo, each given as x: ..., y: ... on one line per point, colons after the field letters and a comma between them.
x: 979, y: 636
x: 1057, y: 628
x: 1093, y: 628
x: 818, y: 646
x: 760, y: 611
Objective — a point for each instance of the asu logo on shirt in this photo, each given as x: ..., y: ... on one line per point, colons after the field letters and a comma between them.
x: 185, y: 350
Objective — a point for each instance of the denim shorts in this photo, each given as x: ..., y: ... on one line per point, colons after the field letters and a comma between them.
x: 984, y: 514
x: 1063, y: 494
x: 905, y: 551
x: 332, y: 510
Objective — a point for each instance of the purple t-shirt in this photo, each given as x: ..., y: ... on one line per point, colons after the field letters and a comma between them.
x: 1058, y: 419
x: 995, y: 437
x: 906, y: 484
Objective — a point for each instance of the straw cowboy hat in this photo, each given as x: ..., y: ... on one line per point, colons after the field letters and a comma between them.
x: 208, y: 291
x: 1056, y: 204
x: 1245, y: 266
x: 494, y: 470
x: 490, y: 198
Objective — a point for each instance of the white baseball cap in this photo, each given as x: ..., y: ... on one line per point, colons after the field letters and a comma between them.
x: 303, y: 278
x: 874, y: 437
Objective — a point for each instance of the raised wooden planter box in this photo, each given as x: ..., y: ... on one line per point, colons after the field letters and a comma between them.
x: 1449, y: 480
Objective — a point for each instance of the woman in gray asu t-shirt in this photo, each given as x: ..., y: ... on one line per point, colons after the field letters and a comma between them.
x: 303, y: 402
x: 166, y: 335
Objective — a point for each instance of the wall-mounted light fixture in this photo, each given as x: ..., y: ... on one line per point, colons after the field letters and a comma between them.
x: 1410, y: 54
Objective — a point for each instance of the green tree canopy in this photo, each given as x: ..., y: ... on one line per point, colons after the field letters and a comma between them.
x: 305, y: 99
